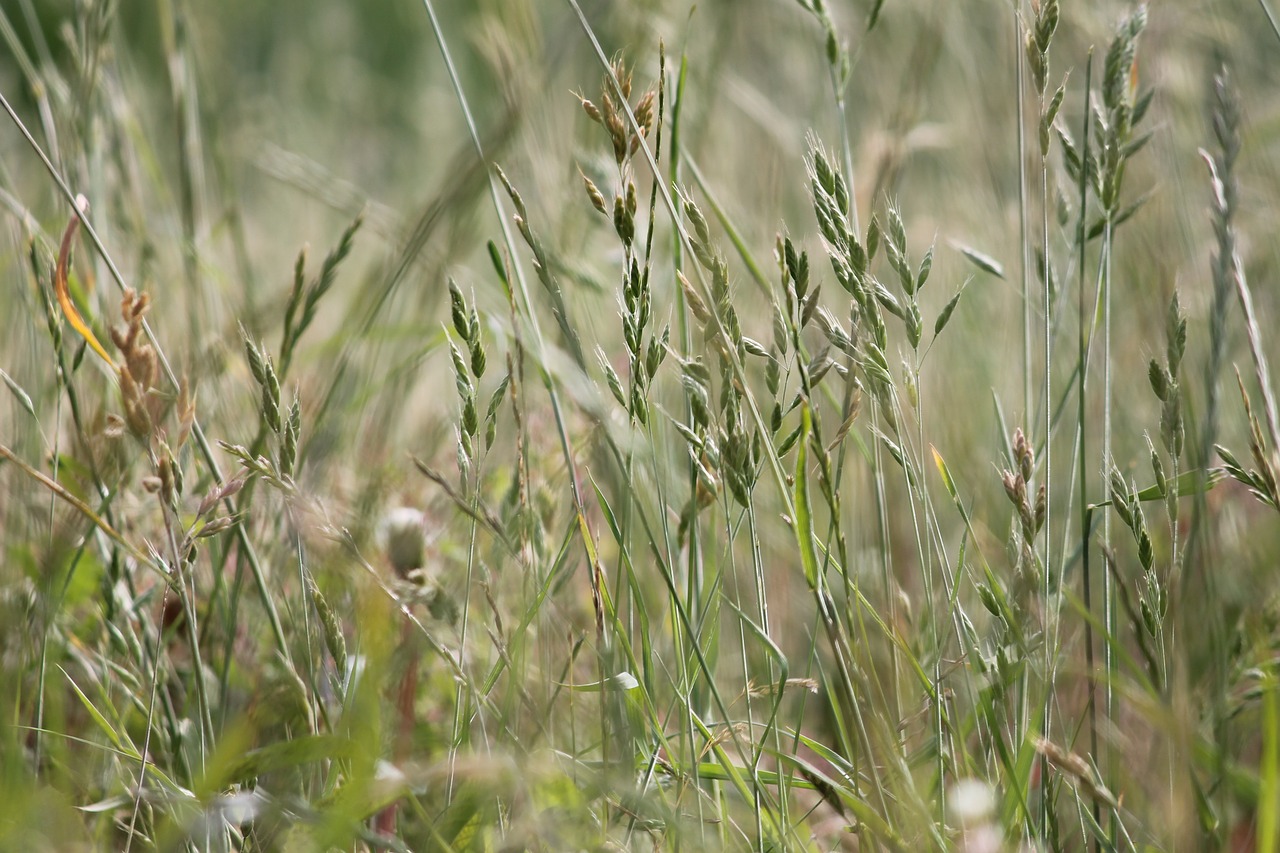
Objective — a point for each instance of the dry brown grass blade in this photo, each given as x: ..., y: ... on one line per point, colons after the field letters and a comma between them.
x: 63, y: 292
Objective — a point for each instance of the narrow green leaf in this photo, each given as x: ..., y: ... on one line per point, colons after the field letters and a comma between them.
x: 803, y: 522
x: 1269, y: 783
x: 101, y: 720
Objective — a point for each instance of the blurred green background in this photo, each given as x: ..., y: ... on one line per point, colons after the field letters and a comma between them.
x: 298, y: 115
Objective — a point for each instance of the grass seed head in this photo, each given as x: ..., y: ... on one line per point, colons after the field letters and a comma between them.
x: 403, y: 535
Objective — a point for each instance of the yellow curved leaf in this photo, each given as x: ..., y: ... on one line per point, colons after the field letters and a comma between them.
x: 61, y: 290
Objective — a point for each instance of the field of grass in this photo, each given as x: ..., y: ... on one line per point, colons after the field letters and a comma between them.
x: 561, y: 425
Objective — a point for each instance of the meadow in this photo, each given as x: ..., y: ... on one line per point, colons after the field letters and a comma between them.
x: 639, y: 425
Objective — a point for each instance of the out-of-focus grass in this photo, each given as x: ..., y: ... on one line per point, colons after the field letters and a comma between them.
x: 594, y: 593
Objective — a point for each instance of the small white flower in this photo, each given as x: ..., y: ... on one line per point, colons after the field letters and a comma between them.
x: 970, y: 802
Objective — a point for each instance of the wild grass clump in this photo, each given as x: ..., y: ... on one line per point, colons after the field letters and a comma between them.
x: 703, y: 464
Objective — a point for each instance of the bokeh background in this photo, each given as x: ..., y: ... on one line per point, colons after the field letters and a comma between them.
x: 294, y: 117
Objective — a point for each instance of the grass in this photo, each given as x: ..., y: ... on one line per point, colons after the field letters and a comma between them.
x: 784, y: 426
